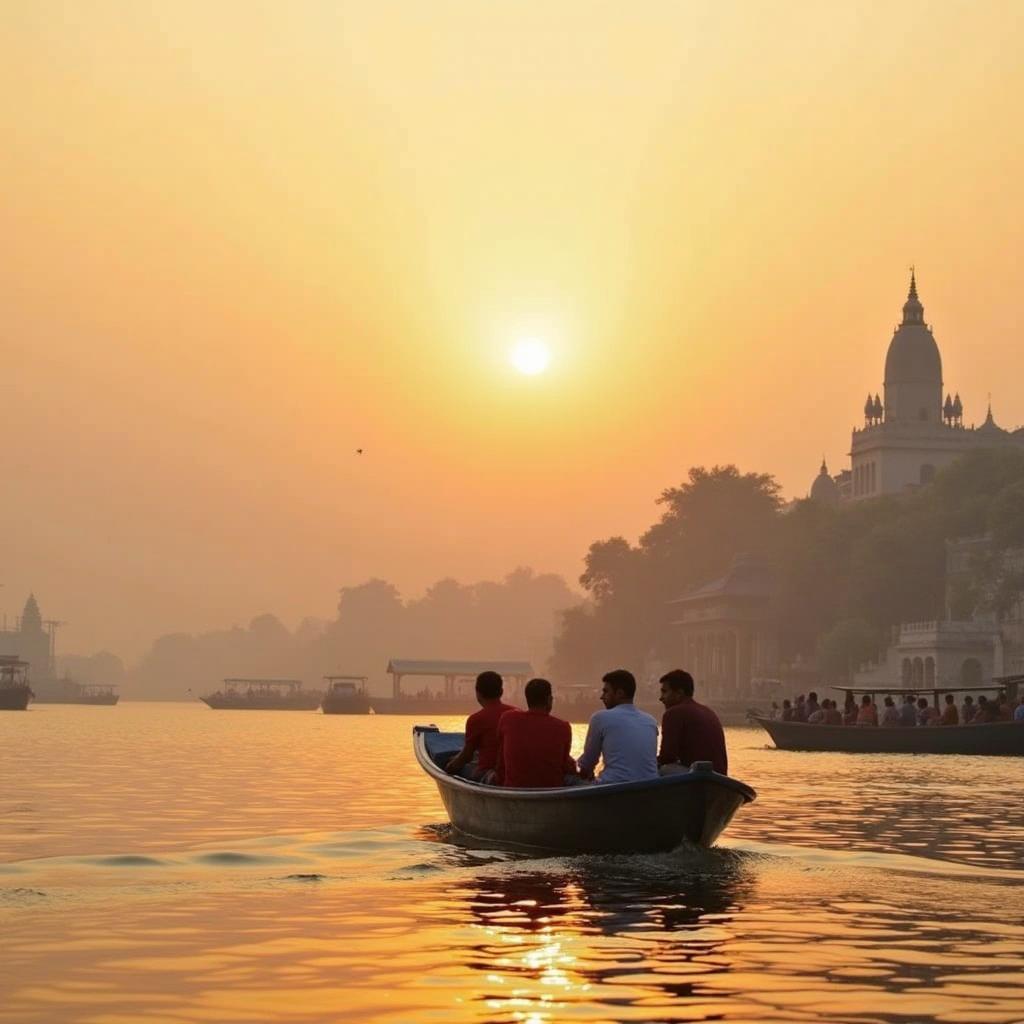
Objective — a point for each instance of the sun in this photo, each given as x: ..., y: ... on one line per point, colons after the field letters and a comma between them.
x: 530, y: 356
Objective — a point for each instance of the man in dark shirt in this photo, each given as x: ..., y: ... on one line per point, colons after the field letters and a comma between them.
x: 479, y: 752
x: 689, y: 731
x: 533, y: 745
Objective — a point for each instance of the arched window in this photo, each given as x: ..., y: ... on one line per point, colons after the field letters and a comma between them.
x: 929, y: 671
x: 907, y: 673
x: 970, y: 672
x: 918, y: 672
x: 927, y: 473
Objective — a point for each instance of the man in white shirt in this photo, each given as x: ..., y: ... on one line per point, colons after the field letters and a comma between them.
x: 623, y: 737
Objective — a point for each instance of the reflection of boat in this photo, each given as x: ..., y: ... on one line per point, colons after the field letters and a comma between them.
x: 630, y: 817
x: 346, y: 695
x: 264, y: 695
x: 14, y: 689
x: 995, y: 738
x: 67, y: 691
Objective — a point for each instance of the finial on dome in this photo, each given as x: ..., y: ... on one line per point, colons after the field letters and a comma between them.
x: 913, y: 311
x: 824, y: 468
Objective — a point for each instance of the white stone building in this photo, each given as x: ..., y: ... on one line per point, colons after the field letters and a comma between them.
x: 911, y: 432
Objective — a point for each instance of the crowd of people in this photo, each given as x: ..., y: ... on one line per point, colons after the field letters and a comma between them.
x: 912, y: 710
x: 507, y: 746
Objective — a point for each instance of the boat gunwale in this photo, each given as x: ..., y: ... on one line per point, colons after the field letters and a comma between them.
x: 664, y: 782
x: 974, y: 728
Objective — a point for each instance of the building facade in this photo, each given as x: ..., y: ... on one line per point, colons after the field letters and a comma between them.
x: 912, y: 430
x: 31, y: 641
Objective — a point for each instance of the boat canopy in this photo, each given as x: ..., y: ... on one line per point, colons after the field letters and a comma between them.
x: 289, y: 684
x: 921, y: 689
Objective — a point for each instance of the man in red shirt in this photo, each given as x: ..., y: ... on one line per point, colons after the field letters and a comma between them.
x: 533, y: 745
x: 479, y: 752
x: 689, y: 731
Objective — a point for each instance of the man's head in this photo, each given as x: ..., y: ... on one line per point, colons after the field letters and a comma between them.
x: 970, y: 700
x: 889, y: 703
x: 676, y: 686
x: 950, y: 699
x: 922, y: 703
x: 813, y: 696
x: 538, y: 695
x: 619, y: 688
x: 909, y: 699
x: 488, y: 687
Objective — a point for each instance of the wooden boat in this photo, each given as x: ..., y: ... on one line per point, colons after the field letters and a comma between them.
x: 67, y: 691
x: 264, y: 695
x: 15, y: 691
x: 631, y: 817
x: 346, y: 695
x: 1000, y: 739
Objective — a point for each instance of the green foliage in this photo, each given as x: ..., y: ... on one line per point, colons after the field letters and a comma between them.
x: 845, y: 574
x: 847, y: 644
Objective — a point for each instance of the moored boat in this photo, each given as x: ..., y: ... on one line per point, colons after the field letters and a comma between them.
x: 15, y: 691
x: 999, y: 739
x: 67, y: 691
x: 346, y: 695
x: 632, y: 817
x: 263, y: 695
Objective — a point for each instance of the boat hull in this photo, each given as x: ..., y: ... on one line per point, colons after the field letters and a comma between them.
x: 997, y: 739
x: 14, y: 698
x: 106, y: 700
x: 345, y: 705
x: 308, y: 702
x: 639, y: 817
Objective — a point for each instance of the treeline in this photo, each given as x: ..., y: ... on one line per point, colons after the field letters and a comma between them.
x: 846, y: 573
x: 514, y: 618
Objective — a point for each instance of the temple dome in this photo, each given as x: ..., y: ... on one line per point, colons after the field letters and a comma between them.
x: 913, y: 367
x: 824, y: 490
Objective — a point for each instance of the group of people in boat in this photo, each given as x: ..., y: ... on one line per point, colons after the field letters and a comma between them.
x: 912, y: 710
x: 508, y: 746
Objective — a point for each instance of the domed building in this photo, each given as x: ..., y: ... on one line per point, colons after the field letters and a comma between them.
x: 824, y: 490
x: 910, y: 432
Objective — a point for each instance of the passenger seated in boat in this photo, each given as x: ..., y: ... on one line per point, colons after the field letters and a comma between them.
x: 776, y: 711
x: 926, y: 714
x: 817, y: 717
x: 800, y: 709
x: 689, y: 731
x: 850, y: 711
x: 867, y: 714
x: 967, y: 710
x: 890, y: 713
x: 1018, y: 711
x: 833, y: 716
x: 950, y: 715
x: 908, y: 711
x: 622, y: 736
x: 479, y: 753
x: 787, y: 711
x: 812, y: 704
x: 1003, y: 712
x: 985, y: 712
x: 533, y: 745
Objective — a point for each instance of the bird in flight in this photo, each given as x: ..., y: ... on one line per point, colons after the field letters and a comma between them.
x: 359, y: 451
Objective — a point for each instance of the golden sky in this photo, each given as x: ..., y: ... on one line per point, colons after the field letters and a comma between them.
x: 243, y: 239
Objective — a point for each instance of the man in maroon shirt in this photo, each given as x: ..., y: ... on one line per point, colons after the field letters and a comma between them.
x: 479, y: 752
x: 533, y: 745
x: 689, y: 731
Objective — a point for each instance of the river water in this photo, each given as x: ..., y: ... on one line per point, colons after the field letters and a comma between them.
x: 169, y: 864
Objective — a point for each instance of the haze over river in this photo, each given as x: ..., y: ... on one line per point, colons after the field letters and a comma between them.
x: 169, y: 864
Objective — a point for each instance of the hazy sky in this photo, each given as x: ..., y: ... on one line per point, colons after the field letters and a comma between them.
x: 241, y: 240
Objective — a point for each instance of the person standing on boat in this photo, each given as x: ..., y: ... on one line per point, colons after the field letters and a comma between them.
x: 533, y: 745
x: 908, y: 711
x: 622, y: 736
x: 479, y: 753
x: 950, y: 715
x: 689, y: 731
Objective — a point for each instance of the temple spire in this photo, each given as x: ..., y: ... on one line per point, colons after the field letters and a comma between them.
x: 913, y: 311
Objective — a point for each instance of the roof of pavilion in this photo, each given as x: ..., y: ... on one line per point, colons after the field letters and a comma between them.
x: 746, y: 577
x: 406, y: 667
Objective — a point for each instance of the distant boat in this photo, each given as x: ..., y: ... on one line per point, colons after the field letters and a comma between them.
x: 67, y: 691
x: 15, y: 691
x: 999, y: 739
x: 346, y: 695
x: 629, y: 817
x: 264, y: 695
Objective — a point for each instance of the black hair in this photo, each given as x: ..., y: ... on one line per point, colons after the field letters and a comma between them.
x: 678, y: 679
x: 489, y: 685
x: 537, y: 693
x: 622, y: 680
